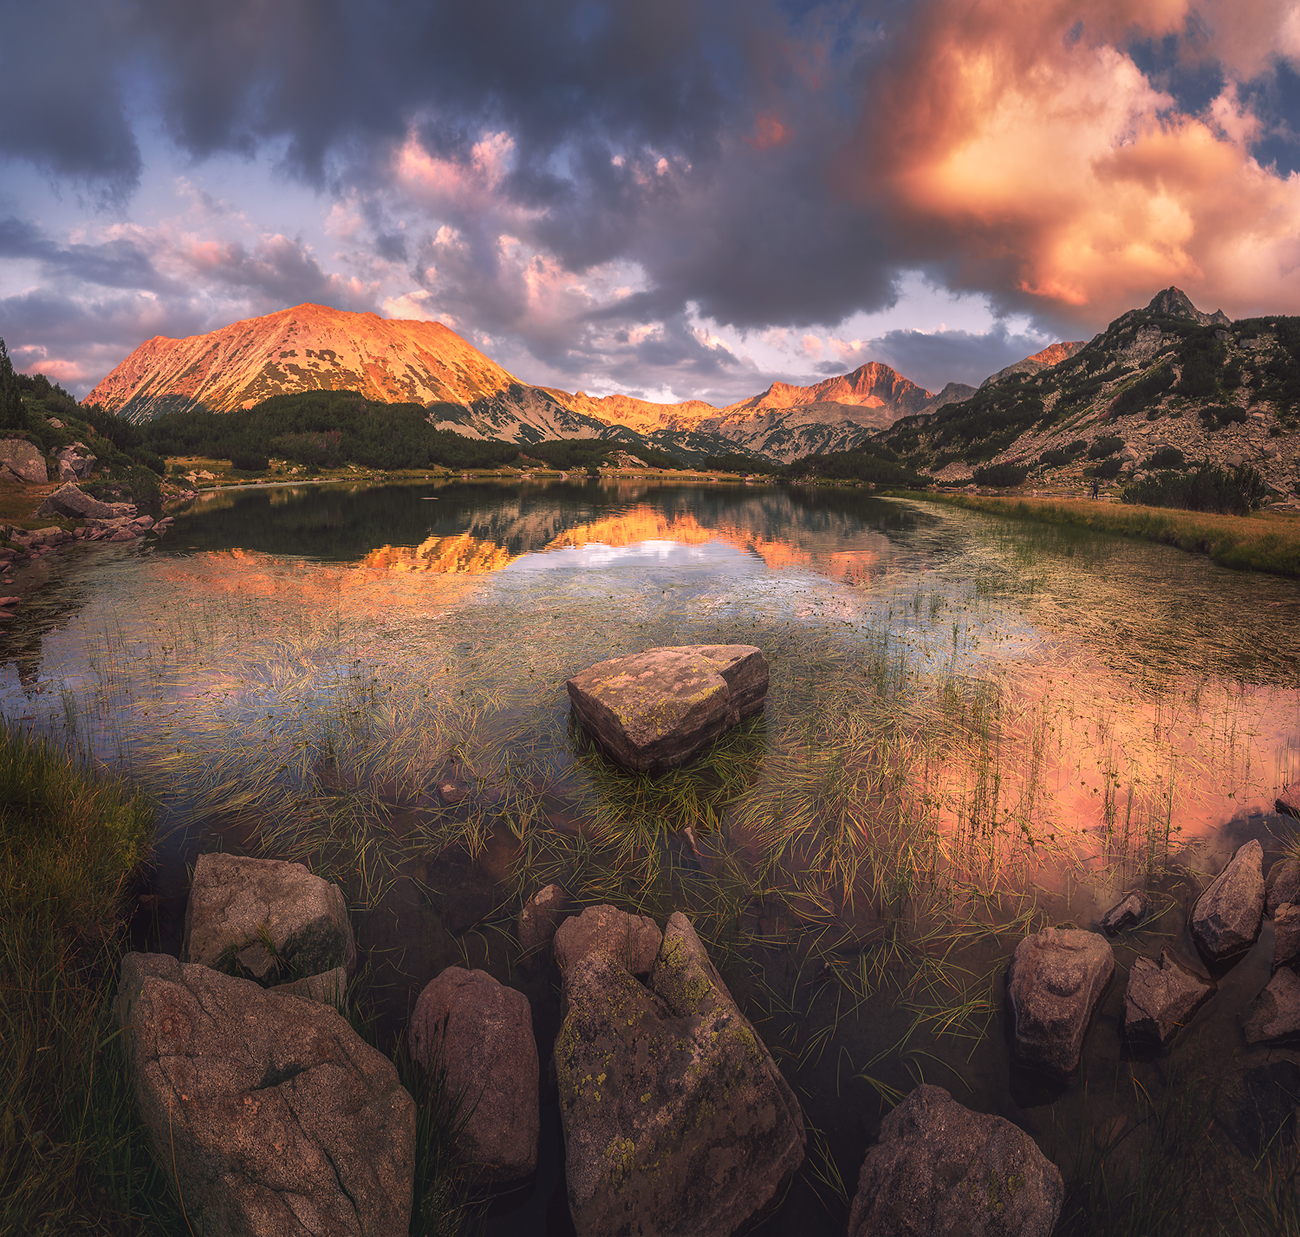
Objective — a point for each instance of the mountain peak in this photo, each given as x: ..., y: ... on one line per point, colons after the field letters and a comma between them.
x: 1175, y: 303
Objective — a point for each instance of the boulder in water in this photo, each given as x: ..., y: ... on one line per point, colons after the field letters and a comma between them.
x: 1057, y: 978
x: 941, y: 1168
x: 267, y: 1111
x: 676, y: 1118
x: 655, y: 710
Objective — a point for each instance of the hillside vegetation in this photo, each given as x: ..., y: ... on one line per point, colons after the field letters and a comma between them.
x: 1159, y: 382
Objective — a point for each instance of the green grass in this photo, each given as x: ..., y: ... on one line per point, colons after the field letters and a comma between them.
x: 73, y: 1159
x: 1264, y: 542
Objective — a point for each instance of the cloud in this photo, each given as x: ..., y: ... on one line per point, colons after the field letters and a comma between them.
x: 1019, y: 149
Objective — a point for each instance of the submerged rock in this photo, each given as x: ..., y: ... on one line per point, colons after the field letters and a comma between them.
x: 1130, y: 911
x: 655, y: 710
x: 1225, y: 920
x: 676, y: 1118
x: 541, y: 915
x: 1057, y: 978
x: 1286, y: 935
x: 239, y: 906
x: 941, y: 1168
x: 1161, y: 997
x: 1282, y: 885
x: 1257, y: 1103
x: 1273, y: 1017
x: 483, y: 1033
x: 633, y: 941
x: 268, y: 1112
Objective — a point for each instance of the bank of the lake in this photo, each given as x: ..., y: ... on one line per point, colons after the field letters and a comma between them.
x: 1267, y: 541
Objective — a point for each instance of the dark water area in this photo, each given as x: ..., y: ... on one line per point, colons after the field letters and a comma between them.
x: 976, y: 728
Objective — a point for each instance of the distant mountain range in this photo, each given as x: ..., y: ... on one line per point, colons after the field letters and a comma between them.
x: 1166, y: 376
x: 314, y: 347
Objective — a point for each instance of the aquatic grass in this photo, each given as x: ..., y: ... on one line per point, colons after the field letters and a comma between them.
x: 1266, y: 542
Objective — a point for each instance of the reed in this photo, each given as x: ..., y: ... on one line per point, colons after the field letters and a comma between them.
x: 1268, y: 542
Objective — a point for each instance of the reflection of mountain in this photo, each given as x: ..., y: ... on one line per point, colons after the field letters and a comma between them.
x: 648, y: 523
x: 464, y: 554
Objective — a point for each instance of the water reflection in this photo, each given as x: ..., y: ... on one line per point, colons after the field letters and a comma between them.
x: 974, y: 727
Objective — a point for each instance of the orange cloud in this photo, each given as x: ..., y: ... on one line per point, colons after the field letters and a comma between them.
x: 768, y: 132
x: 1021, y: 143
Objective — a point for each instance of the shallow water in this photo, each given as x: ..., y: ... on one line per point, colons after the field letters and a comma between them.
x: 975, y: 727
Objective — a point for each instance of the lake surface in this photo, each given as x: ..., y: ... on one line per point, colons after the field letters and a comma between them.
x: 975, y: 728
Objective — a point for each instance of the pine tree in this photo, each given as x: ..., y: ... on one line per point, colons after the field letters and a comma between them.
x: 13, y: 416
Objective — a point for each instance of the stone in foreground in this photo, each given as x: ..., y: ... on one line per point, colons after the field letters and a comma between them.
x: 1160, y: 998
x: 1127, y: 913
x: 1282, y: 885
x: 234, y: 901
x: 268, y: 1112
x: 940, y: 1168
x: 655, y: 710
x: 1273, y: 1017
x: 1225, y: 920
x: 483, y: 1032
x: 633, y: 941
x: 70, y: 501
x: 1286, y: 935
x: 1057, y: 978
x: 676, y: 1119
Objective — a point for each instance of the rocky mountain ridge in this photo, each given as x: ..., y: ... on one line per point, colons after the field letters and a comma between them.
x: 1168, y: 376
x: 314, y: 347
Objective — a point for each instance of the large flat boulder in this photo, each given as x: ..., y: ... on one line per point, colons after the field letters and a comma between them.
x: 22, y: 459
x: 1226, y: 918
x: 268, y: 1113
x: 676, y: 1119
x: 68, y: 500
x: 481, y: 1032
x: 1057, y: 978
x: 238, y: 907
x: 940, y: 1168
x: 655, y: 710
x: 1161, y: 997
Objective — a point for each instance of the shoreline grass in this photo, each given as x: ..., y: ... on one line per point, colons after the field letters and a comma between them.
x: 1264, y: 542
x: 73, y: 1157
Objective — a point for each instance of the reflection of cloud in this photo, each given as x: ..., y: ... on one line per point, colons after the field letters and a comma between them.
x: 648, y: 524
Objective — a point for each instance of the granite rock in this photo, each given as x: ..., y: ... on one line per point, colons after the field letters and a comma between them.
x: 1057, y: 978
x: 481, y: 1032
x: 1226, y: 917
x: 267, y: 1111
x: 655, y: 710
x: 940, y: 1168
x: 1161, y: 997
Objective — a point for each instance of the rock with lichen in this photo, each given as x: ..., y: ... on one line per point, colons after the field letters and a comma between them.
x: 673, y: 1110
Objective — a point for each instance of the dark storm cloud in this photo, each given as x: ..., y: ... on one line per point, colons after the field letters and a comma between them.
x: 61, y: 104
x: 113, y: 264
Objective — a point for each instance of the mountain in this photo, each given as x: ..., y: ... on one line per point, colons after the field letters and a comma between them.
x: 1167, y: 376
x: 314, y: 347
x: 309, y: 347
x: 1053, y: 354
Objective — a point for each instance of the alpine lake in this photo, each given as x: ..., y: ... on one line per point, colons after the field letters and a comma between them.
x: 975, y: 728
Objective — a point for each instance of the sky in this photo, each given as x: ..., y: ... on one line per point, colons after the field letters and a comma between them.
x: 686, y: 199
